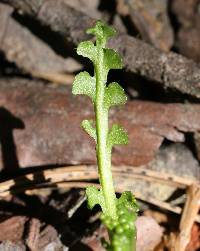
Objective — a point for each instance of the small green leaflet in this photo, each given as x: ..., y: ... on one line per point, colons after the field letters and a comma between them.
x: 87, y: 49
x: 112, y: 60
x: 114, y: 95
x: 85, y: 84
x: 95, y: 197
x: 102, y: 32
x: 116, y: 136
x: 128, y: 200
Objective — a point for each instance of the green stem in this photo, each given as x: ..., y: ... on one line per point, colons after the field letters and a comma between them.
x: 104, y: 159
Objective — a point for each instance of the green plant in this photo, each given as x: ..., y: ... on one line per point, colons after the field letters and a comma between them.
x: 120, y: 214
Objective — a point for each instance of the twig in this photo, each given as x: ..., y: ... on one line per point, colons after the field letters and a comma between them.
x: 72, y: 210
x: 57, y: 78
x: 189, y: 215
x: 33, y: 235
x: 79, y: 184
x: 71, y: 173
x: 76, y: 176
x: 171, y: 180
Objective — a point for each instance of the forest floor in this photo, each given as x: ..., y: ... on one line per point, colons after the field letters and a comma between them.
x: 46, y: 160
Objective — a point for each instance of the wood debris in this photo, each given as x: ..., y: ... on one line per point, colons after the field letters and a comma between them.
x: 151, y: 20
x: 43, y: 111
x: 46, y: 160
x: 170, y: 70
x: 30, y: 53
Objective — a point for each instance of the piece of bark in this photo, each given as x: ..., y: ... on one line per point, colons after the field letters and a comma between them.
x: 27, y: 51
x: 195, y: 238
x: 89, y: 7
x: 188, y: 42
x: 39, y: 240
x: 32, y: 241
x: 12, y: 229
x: 5, y: 12
x: 185, y: 11
x: 151, y: 20
x: 55, y: 246
x: 197, y: 144
x: 170, y: 70
x: 49, y: 235
x: 9, y: 246
x: 149, y: 233
x: 47, y: 121
x: 188, y: 39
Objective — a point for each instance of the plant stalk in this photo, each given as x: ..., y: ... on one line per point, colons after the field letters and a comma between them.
x: 104, y: 159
